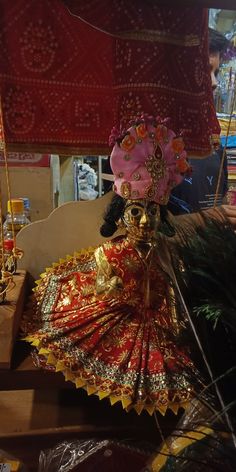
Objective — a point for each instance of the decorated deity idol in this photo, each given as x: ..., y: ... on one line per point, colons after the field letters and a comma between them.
x: 110, y: 318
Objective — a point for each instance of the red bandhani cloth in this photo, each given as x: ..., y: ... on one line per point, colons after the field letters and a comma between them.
x: 65, y: 83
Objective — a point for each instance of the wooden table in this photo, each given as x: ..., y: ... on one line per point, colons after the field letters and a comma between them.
x: 24, y: 375
x: 10, y: 316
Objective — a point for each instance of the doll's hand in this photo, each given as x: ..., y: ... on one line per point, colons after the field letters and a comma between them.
x: 114, y: 285
x: 109, y: 287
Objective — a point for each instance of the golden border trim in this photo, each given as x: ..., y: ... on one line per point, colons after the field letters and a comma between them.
x: 188, y: 40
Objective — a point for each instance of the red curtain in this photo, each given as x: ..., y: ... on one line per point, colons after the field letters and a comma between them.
x: 65, y: 81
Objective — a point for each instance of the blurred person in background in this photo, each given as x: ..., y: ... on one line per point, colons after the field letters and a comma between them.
x: 198, y: 191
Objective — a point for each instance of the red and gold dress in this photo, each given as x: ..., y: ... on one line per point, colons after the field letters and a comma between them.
x: 108, y: 319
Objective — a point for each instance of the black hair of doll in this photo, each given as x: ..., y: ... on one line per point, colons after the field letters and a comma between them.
x: 165, y: 227
x: 113, y: 213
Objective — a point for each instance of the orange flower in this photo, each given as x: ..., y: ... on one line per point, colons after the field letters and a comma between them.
x: 161, y: 133
x: 178, y: 145
x: 182, y: 165
x: 128, y: 142
x: 141, y: 130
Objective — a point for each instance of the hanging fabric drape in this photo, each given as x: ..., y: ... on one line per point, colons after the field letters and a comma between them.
x: 64, y: 81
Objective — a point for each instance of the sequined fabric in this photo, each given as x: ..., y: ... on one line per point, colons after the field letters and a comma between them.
x: 117, y: 344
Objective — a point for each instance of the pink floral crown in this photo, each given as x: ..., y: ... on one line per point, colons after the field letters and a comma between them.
x: 147, y: 160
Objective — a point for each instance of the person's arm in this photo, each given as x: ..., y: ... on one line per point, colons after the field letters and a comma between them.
x: 221, y: 213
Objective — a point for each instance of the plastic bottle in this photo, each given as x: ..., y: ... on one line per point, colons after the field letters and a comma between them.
x: 17, y: 218
x: 26, y: 207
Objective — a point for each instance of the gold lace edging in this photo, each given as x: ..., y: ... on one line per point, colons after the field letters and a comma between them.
x: 126, y: 401
x: 77, y: 254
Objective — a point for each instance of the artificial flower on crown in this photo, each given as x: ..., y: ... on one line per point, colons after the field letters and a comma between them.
x: 128, y: 142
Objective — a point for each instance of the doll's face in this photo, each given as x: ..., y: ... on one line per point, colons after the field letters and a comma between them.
x: 141, y: 219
